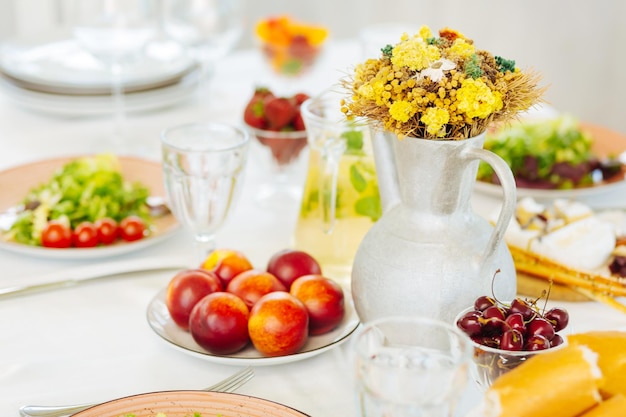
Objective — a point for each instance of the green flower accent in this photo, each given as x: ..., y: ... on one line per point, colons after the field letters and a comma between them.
x: 505, y: 65
x: 472, y: 67
x: 387, y: 51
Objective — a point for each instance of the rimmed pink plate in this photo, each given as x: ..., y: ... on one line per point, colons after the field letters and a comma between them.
x: 17, y: 181
x: 190, y: 403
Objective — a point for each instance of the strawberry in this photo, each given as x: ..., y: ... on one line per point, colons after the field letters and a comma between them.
x: 300, y: 98
x: 298, y: 123
x: 279, y: 112
x: 254, y: 113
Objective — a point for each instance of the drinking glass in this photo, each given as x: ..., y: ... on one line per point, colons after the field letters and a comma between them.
x: 410, y: 367
x: 210, y: 29
x: 114, y: 32
x: 203, y: 165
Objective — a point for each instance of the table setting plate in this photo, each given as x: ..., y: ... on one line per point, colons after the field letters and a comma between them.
x: 605, y: 143
x: 190, y: 403
x: 96, y: 105
x: 162, y: 324
x: 17, y: 181
x: 63, y: 67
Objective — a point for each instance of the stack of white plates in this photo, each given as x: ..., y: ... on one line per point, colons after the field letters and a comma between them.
x: 59, y: 77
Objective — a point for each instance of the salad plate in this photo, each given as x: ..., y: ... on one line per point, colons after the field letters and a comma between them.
x: 17, y: 181
x: 190, y: 403
x: 605, y: 143
x: 160, y: 321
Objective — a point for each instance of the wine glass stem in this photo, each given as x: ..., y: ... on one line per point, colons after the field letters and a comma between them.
x: 204, y: 245
x: 117, y: 95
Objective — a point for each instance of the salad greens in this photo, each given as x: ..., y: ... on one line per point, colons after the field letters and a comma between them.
x: 553, y: 153
x: 85, y: 189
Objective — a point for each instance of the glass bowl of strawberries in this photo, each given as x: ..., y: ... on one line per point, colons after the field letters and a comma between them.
x: 506, y: 334
x: 275, y: 123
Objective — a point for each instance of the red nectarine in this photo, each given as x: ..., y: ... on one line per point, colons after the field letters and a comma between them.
x: 186, y: 289
x: 226, y: 263
x: 278, y: 324
x: 323, y: 299
x: 252, y: 284
x: 219, y: 323
x: 289, y: 264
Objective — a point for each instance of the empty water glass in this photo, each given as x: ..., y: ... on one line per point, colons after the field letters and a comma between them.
x: 410, y: 367
x: 203, y: 164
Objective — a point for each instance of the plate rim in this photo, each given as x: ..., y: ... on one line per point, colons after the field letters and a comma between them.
x: 86, y: 253
x: 12, y: 68
x: 350, y: 324
x: 211, y: 396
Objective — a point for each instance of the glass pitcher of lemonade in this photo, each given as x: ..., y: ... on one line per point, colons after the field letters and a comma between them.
x: 340, y: 201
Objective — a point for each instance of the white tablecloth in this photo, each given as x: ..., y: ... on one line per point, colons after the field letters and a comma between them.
x: 92, y: 342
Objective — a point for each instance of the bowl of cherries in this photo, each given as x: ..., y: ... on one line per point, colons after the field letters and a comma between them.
x: 505, y: 334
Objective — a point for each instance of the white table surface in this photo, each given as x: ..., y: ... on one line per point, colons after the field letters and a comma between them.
x: 93, y: 343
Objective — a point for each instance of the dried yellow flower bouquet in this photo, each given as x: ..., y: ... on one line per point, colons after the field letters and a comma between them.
x: 439, y: 87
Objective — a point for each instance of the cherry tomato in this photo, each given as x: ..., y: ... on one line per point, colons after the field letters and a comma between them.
x: 56, y: 234
x: 132, y: 228
x: 107, y: 230
x: 85, y: 235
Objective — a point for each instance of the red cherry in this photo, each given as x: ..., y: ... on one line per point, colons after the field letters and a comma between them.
x: 536, y: 342
x: 470, y: 323
x: 520, y: 306
x: 512, y: 340
x: 494, y: 312
x: 483, y: 302
x: 492, y: 326
x: 559, y: 318
x: 516, y: 322
x: 540, y: 326
x: 556, y: 340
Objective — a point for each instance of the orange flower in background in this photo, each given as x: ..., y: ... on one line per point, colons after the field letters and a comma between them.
x: 291, y: 46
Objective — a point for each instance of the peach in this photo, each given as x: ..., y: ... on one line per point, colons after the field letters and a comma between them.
x: 219, y: 323
x: 226, y: 264
x: 186, y: 289
x: 289, y: 264
x: 323, y: 299
x: 252, y: 284
x: 278, y: 324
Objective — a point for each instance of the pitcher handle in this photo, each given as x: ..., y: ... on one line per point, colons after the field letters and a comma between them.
x: 509, y: 191
x: 329, y: 175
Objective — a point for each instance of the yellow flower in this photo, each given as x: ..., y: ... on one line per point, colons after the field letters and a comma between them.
x: 435, y: 118
x: 462, y: 49
x: 476, y: 99
x: 414, y: 53
x: 425, y: 33
x: 401, y: 110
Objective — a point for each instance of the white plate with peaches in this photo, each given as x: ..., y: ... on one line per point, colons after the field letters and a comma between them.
x: 256, y: 317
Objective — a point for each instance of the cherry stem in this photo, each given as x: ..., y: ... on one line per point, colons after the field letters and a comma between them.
x: 493, y: 292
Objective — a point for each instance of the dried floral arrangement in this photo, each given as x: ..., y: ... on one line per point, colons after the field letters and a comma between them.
x: 439, y: 87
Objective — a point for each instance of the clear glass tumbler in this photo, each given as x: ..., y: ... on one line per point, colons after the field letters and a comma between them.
x: 410, y: 367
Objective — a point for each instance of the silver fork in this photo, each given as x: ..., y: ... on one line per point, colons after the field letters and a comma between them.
x: 229, y: 384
